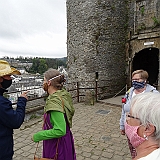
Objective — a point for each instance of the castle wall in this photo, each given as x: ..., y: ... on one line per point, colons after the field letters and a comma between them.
x: 96, y: 31
x: 103, y: 37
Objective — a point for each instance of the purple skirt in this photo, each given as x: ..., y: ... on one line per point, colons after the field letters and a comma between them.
x: 65, y: 146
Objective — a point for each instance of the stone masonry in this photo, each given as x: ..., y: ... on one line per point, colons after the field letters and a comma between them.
x: 101, y: 35
x: 96, y: 41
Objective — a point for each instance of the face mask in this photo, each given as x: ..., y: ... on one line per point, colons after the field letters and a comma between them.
x: 6, y: 83
x: 45, y: 87
x: 131, y: 132
x: 138, y: 85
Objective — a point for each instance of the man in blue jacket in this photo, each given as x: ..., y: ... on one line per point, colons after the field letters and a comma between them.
x: 9, y: 118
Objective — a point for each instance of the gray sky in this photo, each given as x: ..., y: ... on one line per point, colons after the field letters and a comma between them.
x: 33, y: 28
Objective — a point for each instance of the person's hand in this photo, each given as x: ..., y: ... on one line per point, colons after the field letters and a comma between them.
x: 122, y: 132
x: 24, y: 94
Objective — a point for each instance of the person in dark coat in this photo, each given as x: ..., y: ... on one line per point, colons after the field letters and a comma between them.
x: 9, y: 118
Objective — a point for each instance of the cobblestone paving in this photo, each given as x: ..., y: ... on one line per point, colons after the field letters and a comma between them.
x: 95, y: 130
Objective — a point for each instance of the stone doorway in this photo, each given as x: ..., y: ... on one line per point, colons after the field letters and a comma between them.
x: 148, y: 59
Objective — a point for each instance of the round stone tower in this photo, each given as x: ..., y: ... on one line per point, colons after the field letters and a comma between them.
x: 96, y: 37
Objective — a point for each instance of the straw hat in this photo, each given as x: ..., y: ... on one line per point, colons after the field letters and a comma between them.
x: 6, y: 69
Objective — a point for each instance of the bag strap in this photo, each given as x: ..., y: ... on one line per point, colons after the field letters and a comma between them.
x: 36, y: 150
x: 62, y: 102
x: 56, y: 155
x: 45, y: 122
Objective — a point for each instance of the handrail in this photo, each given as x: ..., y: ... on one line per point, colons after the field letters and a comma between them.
x: 97, y: 88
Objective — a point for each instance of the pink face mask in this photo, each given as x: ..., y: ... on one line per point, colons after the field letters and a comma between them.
x: 131, y: 132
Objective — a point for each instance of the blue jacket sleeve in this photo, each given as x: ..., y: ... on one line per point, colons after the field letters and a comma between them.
x: 13, y: 118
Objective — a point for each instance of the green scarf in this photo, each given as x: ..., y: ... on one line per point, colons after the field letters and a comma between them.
x: 55, y: 102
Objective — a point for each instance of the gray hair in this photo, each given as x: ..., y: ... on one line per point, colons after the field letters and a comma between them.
x: 146, y: 107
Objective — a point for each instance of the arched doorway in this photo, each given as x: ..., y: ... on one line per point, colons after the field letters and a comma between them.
x: 148, y: 59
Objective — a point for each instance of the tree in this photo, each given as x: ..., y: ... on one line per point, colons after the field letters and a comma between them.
x: 42, y: 66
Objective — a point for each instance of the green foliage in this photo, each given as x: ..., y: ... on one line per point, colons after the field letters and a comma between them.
x: 156, y: 22
x: 40, y: 65
x: 113, y: 7
x: 141, y: 27
x: 33, y: 69
x: 126, y: 26
x: 142, y: 10
x: 75, y: 58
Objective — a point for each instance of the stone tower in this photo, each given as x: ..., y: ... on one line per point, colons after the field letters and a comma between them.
x: 103, y: 37
x: 96, y: 42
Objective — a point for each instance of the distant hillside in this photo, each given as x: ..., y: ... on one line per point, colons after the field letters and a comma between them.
x: 39, y: 65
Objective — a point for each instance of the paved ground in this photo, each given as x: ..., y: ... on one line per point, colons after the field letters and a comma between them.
x: 95, y: 129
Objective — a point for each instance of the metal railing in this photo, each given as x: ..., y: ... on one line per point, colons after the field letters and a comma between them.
x: 97, y: 88
x: 77, y: 90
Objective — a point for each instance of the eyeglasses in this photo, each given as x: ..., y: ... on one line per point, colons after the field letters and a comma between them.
x: 137, y: 79
x: 129, y: 116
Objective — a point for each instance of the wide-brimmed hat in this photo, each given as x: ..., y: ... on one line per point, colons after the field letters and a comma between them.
x: 6, y: 69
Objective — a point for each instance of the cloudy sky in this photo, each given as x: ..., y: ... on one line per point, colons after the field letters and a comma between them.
x: 33, y: 28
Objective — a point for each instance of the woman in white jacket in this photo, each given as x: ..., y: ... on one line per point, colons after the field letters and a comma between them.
x: 139, y: 86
